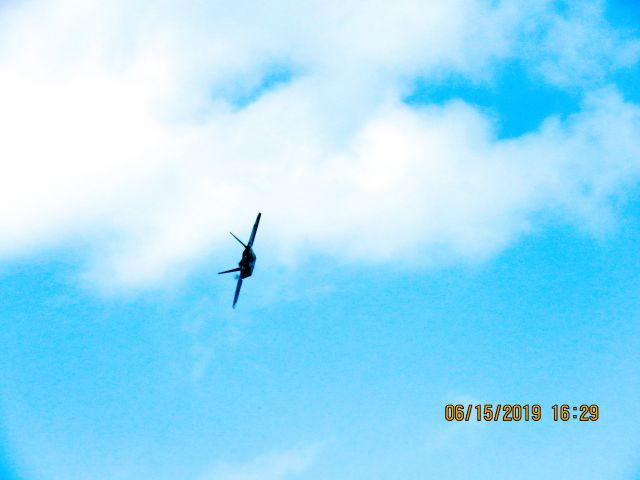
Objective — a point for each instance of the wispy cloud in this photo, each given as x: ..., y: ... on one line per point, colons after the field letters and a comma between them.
x: 147, y: 131
x: 208, y: 330
x: 580, y: 48
x: 278, y: 465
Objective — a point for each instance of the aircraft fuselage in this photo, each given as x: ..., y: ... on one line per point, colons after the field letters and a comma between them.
x: 247, y: 263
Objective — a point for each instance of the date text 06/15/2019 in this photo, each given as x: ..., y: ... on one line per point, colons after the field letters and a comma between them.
x: 514, y: 412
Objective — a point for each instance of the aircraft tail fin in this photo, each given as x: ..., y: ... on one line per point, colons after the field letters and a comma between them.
x: 241, y: 243
x: 229, y: 271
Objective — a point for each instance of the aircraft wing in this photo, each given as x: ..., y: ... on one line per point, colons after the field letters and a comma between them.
x: 255, y: 229
x: 237, y: 294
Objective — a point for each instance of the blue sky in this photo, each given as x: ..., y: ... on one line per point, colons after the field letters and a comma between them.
x: 451, y: 214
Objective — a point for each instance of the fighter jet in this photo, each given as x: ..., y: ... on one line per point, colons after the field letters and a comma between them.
x: 247, y: 262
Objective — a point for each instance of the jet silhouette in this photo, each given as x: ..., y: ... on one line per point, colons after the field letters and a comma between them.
x: 247, y: 262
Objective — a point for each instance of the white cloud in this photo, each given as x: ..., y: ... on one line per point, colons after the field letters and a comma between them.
x: 272, y: 466
x: 119, y: 129
x: 579, y: 47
